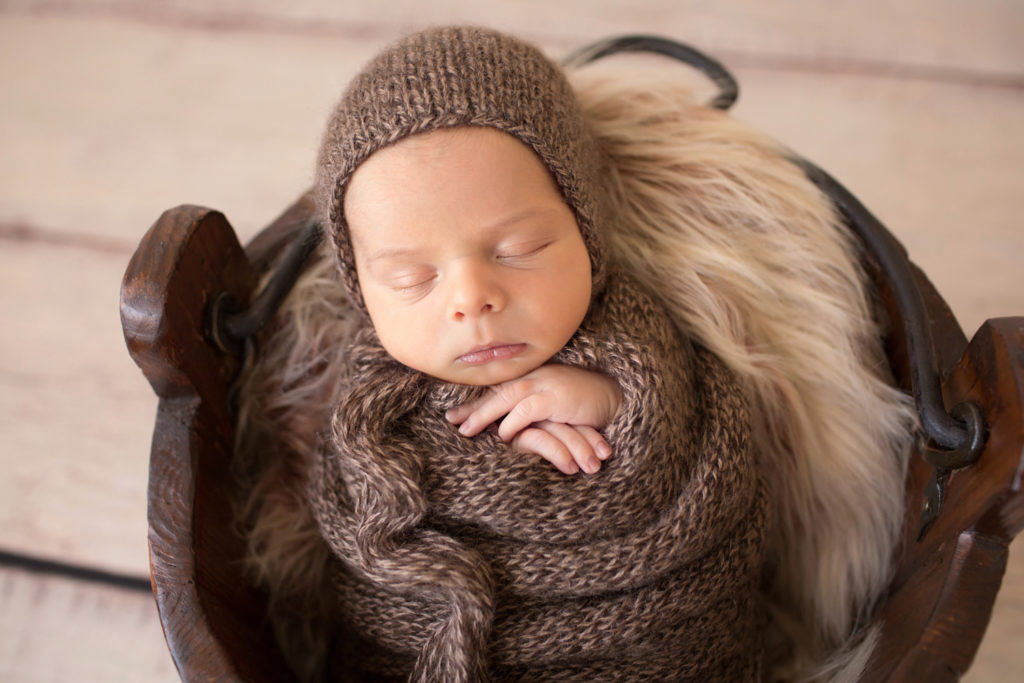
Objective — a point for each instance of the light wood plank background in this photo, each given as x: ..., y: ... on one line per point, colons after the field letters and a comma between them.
x: 113, y: 110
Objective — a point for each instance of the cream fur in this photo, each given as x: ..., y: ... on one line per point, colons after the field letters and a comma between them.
x: 755, y: 265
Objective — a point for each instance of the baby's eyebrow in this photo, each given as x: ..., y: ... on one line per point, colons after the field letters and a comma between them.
x: 391, y: 253
x: 520, y: 216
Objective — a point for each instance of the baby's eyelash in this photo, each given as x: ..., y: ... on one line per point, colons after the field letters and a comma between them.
x: 408, y: 288
x: 415, y: 287
x: 531, y: 252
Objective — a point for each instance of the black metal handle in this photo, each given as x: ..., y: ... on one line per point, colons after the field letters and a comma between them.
x: 728, y: 87
x: 959, y: 436
x: 231, y: 324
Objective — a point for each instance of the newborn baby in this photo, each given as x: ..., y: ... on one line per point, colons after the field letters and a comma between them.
x: 501, y: 353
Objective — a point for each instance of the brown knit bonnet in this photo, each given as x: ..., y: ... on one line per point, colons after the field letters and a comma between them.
x: 459, y: 76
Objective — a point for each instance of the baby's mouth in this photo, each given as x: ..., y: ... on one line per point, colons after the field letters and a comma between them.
x: 491, y: 352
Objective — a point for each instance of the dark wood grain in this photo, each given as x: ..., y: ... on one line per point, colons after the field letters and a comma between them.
x: 945, y: 584
x: 213, y: 620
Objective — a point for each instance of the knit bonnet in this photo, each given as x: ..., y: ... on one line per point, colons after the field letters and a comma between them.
x: 450, y: 77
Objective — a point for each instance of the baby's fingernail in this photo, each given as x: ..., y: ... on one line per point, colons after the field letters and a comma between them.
x: 603, y: 450
x: 450, y: 414
x: 592, y: 465
x: 464, y: 429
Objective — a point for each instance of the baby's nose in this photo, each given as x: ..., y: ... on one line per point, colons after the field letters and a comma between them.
x: 476, y: 292
x: 463, y: 312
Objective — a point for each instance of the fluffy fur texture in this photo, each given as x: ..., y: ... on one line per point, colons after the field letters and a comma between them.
x: 754, y: 264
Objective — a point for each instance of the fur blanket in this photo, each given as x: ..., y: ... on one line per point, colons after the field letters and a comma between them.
x: 461, y: 559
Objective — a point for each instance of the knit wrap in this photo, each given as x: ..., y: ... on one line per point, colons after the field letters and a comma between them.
x: 460, y: 76
x: 460, y: 559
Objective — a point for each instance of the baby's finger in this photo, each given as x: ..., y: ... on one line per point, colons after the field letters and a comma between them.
x: 458, y: 414
x: 579, y: 445
x: 532, y: 409
x: 544, y: 444
x: 489, y: 408
x: 601, y: 447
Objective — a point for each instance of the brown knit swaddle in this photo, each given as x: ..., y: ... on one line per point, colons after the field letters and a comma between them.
x: 464, y: 560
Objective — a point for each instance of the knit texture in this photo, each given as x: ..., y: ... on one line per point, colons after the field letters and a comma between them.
x: 459, y: 559
x: 459, y: 76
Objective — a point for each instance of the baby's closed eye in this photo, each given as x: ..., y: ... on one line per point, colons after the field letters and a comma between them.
x: 411, y: 281
x: 522, y: 251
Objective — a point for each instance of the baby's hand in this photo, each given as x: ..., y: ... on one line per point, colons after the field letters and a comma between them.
x: 553, y: 411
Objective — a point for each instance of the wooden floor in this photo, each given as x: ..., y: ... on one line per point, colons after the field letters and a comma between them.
x: 113, y: 110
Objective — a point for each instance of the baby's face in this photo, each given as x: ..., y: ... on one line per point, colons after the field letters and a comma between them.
x: 470, y: 263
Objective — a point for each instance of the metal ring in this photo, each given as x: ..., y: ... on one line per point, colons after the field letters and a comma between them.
x: 969, y: 414
x: 223, y: 306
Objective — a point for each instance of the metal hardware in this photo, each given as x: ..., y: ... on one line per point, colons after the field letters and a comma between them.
x: 945, y: 461
x: 948, y: 441
x: 231, y: 323
x: 931, y: 503
x: 245, y: 323
x: 232, y: 327
x: 964, y: 454
x: 949, y: 433
x: 728, y: 87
